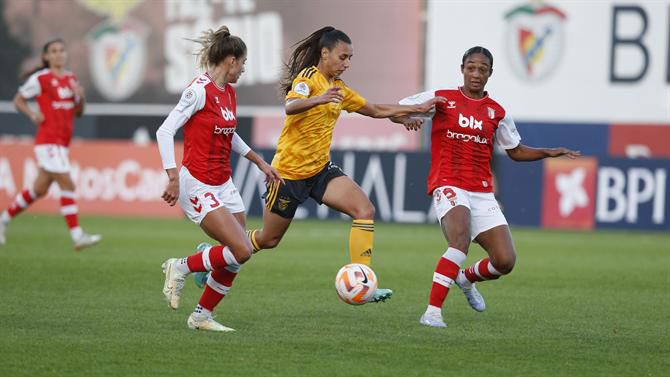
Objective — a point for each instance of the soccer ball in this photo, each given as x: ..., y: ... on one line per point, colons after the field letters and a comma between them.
x: 355, y: 283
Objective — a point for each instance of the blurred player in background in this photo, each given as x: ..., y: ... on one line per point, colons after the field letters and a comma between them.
x: 60, y: 98
x: 315, y: 97
x: 203, y: 187
x: 460, y: 181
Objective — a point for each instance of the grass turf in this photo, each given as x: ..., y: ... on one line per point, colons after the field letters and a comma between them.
x: 577, y: 304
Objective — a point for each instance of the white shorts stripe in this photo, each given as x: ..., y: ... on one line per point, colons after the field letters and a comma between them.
x: 455, y: 255
x: 442, y: 280
x: 205, y: 259
x: 215, y: 285
x: 69, y: 210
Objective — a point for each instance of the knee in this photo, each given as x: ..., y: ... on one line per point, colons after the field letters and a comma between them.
x: 504, y: 264
x: 242, y: 251
x: 40, y: 191
x: 364, y: 211
x: 460, y: 241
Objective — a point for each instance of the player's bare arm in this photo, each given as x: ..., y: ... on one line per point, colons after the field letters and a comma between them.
x: 525, y: 153
x: 80, y: 99
x: 271, y: 174
x: 299, y: 105
x: 22, y: 106
x: 389, y: 111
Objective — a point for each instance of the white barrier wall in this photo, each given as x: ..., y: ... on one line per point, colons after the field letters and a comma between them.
x: 560, y: 61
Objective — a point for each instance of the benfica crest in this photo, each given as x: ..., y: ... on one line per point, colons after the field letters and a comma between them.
x: 117, y: 47
x: 534, y: 40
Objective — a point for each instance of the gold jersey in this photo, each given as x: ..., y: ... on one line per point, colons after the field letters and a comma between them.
x: 303, y: 148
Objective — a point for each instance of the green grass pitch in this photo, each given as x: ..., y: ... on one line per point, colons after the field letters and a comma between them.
x: 577, y: 304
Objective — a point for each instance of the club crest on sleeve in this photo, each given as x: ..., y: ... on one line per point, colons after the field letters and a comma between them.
x: 301, y: 88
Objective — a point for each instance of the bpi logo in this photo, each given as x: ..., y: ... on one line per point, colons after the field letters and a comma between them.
x: 227, y: 114
x: 534, y: 39
x: 569, y: 193
x: 469, y: 122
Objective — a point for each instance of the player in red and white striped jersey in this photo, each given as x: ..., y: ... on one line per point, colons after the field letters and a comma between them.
x: 203, y: 187
x: 60, y: 98
x: 460, y: 181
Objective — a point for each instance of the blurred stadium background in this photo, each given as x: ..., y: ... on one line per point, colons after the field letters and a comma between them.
x: 590, y: 75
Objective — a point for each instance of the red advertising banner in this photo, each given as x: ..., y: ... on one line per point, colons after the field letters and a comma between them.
x: 639, y: 140
x: 112, y: 178
x: 569, y: 195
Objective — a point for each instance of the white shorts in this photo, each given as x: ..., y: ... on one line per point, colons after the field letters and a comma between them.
x: 485, y: 213
x: 198, y: 199
x: 52, y: 158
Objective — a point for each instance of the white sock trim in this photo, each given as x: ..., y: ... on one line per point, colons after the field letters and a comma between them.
x: 205, y: 259
x: 218, y: 287
x: 492, y: 270
x: 230, y: 258
x: 442, y: 280
x: 455, y: 255
x: 476, y: 269
x: 71, y: 209
x: 67, y: 194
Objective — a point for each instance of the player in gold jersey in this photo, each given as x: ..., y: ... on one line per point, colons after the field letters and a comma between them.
x: 315, y: 96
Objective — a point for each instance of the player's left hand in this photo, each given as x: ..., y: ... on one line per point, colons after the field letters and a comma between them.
x: 271, y: 174
x: 558, y: 152
x: 428, y: 105
x: 412, y: 124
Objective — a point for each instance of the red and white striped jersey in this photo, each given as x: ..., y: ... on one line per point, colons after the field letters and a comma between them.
x: 208, y: 114
x: 462, y: 139
x: 56, y: 100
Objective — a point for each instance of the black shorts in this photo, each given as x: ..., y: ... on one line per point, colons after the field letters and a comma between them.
x: 284, y: 199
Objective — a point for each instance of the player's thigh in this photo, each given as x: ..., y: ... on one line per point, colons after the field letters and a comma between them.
x: 64, y: 181
x: 499, y: 245
x: 452, y: 207
x: 42, y: 182
x: 456, y: 227
x: 241, y: 218
x: 222, y: 226
x: 344, y: 195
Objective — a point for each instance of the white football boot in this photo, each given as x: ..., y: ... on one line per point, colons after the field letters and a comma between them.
x: 433, y: 319
x: 198, y: 321
x: 475, y: 298
x: 174, y: 282
x: 3, y: 228
x: 86, y: 240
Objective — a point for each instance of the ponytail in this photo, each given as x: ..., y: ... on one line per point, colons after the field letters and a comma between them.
x: 307, y: 53
x: 217, y: 45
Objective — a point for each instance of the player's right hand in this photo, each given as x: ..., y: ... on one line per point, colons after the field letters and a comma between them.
x: 412, y: 124
x: 171, y: 193
x: 332, y: 95
x: 428, y: 105
x: 37, y: 118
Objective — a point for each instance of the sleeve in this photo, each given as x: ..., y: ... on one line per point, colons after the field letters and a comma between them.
x: 417, y: 98
x: 506, y: 135
x: 31, y: 88
x: 239, y: 146
x: 420, y: 98
x: 352, y: 100
x: 192, y: 100
x: 302, y: 88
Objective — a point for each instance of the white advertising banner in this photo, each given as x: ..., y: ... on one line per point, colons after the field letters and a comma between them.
x: 560, y: 61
